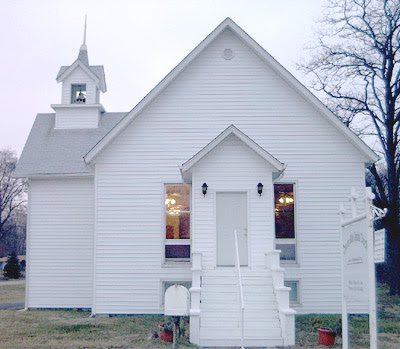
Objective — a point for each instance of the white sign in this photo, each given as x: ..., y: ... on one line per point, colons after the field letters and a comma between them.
x: 176, y: 301
x: 355, y: 261
x: 379, y: 250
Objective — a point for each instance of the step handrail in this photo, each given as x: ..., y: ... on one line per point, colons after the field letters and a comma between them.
x: 239, y: 275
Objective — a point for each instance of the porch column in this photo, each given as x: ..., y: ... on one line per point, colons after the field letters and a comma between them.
x: 195, y: 299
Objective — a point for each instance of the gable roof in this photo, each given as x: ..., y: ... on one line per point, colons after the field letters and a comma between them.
x: 232, y: 130
x: 50, y: 151
x: 96, y: 72
x: 266, y: 57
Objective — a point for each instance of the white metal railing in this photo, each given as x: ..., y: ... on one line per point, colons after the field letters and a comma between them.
x: 239, y: 275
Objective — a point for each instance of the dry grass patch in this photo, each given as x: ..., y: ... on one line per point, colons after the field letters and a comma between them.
x: 74, y: 329
x: 12, y: 293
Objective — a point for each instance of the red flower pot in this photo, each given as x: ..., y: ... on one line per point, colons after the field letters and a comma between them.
x: 326, y: 337
x: 167, y: 336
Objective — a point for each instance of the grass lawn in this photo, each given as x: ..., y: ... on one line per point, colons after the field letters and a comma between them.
x: 388, y: 325
x: 74, y: 329
x: 12, y: 293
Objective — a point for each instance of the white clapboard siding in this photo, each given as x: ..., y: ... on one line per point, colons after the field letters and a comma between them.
x: 76, y: 118
x: 232, y: 166
x: 60, y: 243
x: 211, y: 94
x: 79, y: 76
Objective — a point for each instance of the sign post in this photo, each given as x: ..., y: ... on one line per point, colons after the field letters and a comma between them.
x: 373, y: 333
x: 345, y: 324
x: 358, y: 261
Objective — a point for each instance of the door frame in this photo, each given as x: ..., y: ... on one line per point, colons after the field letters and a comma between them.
x: 248, y: 192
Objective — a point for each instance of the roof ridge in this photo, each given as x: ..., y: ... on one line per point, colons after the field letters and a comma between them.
x: 284, y: 74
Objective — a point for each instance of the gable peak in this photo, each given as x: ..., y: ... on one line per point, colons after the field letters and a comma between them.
x: 227, y: 21
x: 229, y: 24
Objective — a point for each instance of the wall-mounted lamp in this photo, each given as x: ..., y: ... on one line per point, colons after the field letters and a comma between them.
x: 204, y: 187
x: 260, y: 188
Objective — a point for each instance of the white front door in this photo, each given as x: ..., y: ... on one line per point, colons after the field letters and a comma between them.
x: 231, y: 215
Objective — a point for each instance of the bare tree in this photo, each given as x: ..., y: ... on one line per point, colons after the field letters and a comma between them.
x: 355, y: 62
x: 11, y: 193
x: 15, y: 240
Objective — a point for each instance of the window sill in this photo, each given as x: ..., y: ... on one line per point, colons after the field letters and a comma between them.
x: 295, y: 305
x: 294, y: 264
x: 171, y: 264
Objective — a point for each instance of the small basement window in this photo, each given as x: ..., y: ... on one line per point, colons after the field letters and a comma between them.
x: 166, y: 284
x: 294, y: 296
x: 78, y: 93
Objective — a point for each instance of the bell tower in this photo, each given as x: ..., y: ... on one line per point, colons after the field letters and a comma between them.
x: 80, y: 92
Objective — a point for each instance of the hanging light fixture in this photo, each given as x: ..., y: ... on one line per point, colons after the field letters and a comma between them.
x: 170, y: 201
x: 286, y: 199
x: 204, y: 188
x: 260, y: 188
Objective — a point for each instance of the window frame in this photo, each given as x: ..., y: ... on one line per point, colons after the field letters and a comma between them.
x: 168, y: 280
x: 174, y: 261
x: 298, y: 281
x: 288, y: 241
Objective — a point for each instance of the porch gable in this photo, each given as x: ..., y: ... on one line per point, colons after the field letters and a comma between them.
x: 277, y: 166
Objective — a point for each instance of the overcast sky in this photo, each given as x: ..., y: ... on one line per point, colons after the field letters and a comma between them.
x: 138, y: 42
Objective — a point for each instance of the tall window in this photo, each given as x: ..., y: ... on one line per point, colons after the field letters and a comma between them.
x: 284, y: 221
x: 78, y: 93
x: 177, y: 223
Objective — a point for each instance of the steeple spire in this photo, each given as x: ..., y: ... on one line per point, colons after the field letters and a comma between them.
x: 84, y: 31
x: 83, y: 54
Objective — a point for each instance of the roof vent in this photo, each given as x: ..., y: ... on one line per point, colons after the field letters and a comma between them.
x: 228, y: 54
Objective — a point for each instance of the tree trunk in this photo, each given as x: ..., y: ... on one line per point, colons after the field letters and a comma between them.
x: 393, y: 256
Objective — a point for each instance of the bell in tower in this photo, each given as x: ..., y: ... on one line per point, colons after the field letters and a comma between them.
x: 81, y: 87
x: 78, y: 93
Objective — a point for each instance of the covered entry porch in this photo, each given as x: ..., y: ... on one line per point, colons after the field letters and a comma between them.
x: 232, y: 191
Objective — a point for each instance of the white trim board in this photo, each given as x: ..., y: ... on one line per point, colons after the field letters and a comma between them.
x: 229, y: 24
x: 72, y: 67
x: 60, y: 175
x: 100, y: 83
x: 187, y: 166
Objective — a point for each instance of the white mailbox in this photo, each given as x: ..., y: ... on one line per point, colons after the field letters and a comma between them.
x: 177, y: 301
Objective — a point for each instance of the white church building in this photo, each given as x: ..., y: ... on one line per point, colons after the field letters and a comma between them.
x: 123, y: 205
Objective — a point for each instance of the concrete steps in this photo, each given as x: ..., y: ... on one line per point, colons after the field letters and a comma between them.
x: 220, y: 315
x: 234, y: 341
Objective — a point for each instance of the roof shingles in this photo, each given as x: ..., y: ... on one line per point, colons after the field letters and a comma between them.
x: 50, y: 152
